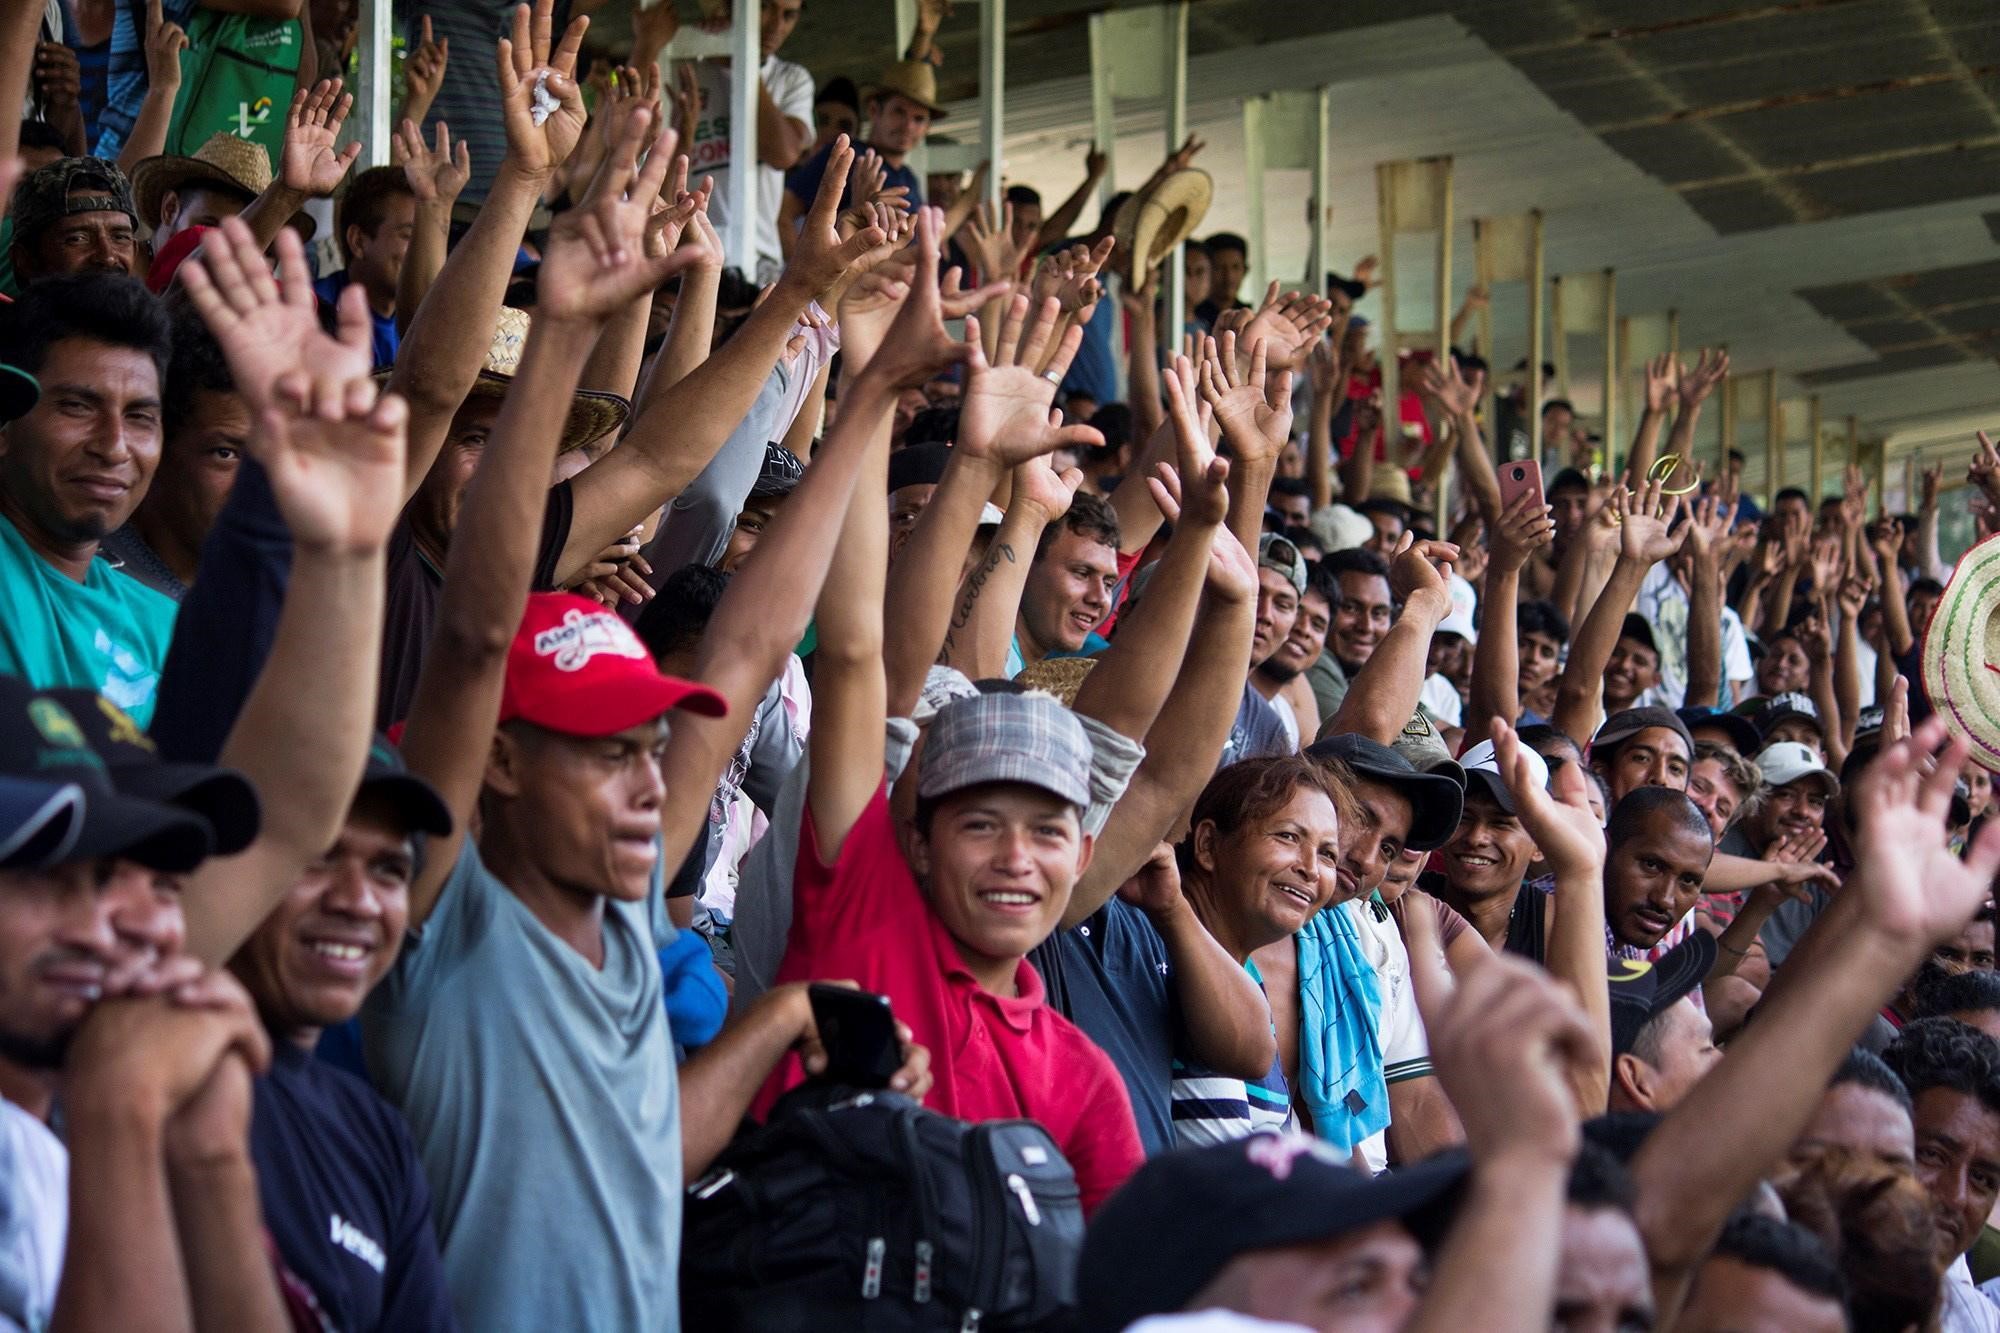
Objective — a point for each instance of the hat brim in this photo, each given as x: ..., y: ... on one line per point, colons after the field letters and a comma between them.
x: 157, y: 836
x: 1960, y: 673
x: 1676, y: 974
x: 415, y: 802
x: 1765, y: 728
x: 1491, y: 785
x: 876, y: 90
x: 1150, y: 225
x: 152, y: 178
x: 1436, y: 802
x: 39, y: 821
x: 593, y: 414
x: 19, y: 392
x: 602, y: 711
x: 222, y: 796
x: 1742, y: 734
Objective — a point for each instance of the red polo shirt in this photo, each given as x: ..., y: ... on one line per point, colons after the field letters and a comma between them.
x: 994, y: 1057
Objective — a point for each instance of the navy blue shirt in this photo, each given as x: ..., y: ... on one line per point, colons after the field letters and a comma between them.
x: 383, y: 327
x: 803, y: 180
x: 1111, y: 977
x: 345, y: 1197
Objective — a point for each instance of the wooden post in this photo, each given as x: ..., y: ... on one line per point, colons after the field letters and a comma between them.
x: 1774, y: 437
x: 1728, y: 419
x: 1818, y: 451
x: 1536, y: 339
x: 1611, y: 450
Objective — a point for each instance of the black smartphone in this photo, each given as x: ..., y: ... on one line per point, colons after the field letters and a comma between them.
x: 859, y: 1033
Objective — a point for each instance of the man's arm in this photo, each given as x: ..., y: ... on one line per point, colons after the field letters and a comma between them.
x: 1226, y: 1018
x: 334, y: 468
x: 1524, y: 528
x: 1192, y: 728
x: 1455, y: 402
x: 1382, y: 697
x: 492, y: 552
x: 309, y: 167
x: 436, y: 175
x: 1562, y: 824
x: 1421, y: 1119
x: 1058, y: 224
x: 1142, y: 357
x: 1907, y: 893
x: 1503, y: 1045
x: 1643, y: 540
x: 1708, y: 533
x: 1329, y: 389
x: 1004, y: 422
x: 164, y: 43
x: 22, y: 26
x: 231, y: 1284
x: 692, y: 327
x: 673, y: 441
x: 451, y: 331
x: 850, y: 686
x: 781, y: 139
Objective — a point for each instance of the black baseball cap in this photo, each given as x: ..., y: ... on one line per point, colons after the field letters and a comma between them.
x: 1642, y: 991
x: 1567, y: 479
x: 780, y: 473
x: 1637, y: 627
x: 917, y: 465
x: 1783, y: 708
x: 1436, y: 800
x: 1742, y: 735
x: 19, y: 392
x: 39, y: 822
x: 415, y: 802
x: 222, y: 796
x: 1626, y: 723
x: 41, y: 740
x: 1143, y: 1255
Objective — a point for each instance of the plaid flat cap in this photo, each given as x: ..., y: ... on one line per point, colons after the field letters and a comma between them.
x: 1025, y: 738
x: 66, y: 187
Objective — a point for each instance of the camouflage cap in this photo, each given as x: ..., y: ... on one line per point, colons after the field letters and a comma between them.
x: 66, y: 187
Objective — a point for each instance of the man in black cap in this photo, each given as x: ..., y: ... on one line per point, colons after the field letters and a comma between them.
x: 73, y: 216
x: 780, y: 473
x: 1284, y: 1229
x: 914, y: 473
x: 325, y: 1144
x: 93, y: 986
x: 1661, y: 1041
x: 1642, y: 747
x: 1791, y: 717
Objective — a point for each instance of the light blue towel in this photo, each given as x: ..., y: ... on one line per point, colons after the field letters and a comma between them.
x: 1340, y: 1022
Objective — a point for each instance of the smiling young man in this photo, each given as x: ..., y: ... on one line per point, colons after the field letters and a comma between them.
x: 1281, y: 676
x: 1281, y: 586
x: 74, y: 464
x: 1953, y: 1075
x: 1362, y: 614
x: 343, y: 1188
x: 1634, y: 668
x: 1070, y: 582
x: 1642, y: 747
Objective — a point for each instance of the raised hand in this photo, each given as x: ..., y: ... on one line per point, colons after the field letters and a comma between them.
x: 962, y: 304
x: 1156, y: 885
x: 423, y: 72
x: 1558, y: 817
x: 654, y: 28
x: 1649, y: 515
x: 1255, y: 409
x: 1450, y: 390
x: 1418, y: 569
x: 990, y: 241
x: 270, y: 330
x: 164, y: 43
x: 1932, y: 478
x: 1885, y: 538
x: 58, y: 78
x: 308, y: 163
x: 1080, y: 290
x: 916, y: 348
x: 1854, y: 593
x: 1906, y: 877
x: 436, y: 174
x: 1005, y: 415
x: 1663, y: 379
x: 540, y: 103
x: 1853, y: 496
x: 1182, y: 157
x: 1697, y: 384
x: 1526, y: 525
x: 1984, y: 470
x: 820, y: 257
x: 1289, y: 323
x: 1198, y: 485
x: 1708, y: 526
x: 596, y: 262
x: 1816, y: 637
x: 1825, y: 562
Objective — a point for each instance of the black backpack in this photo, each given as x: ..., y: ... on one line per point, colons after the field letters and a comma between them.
x: 863, y: 1210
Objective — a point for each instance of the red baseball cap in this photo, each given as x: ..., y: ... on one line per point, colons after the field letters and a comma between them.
x: 577, y: 668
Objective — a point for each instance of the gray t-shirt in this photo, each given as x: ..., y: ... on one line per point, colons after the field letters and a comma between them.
x: 496, y: 1039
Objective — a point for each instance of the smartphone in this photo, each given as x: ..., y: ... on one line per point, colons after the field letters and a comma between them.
x: 859, y: 1034
x: 1518, y: 479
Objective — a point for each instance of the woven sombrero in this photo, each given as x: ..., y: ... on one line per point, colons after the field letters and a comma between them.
x: 225, y: 161
x: 592, y: 412
x: 1060, y: 676
x: 1962, y: 652
x: 1152, y: 222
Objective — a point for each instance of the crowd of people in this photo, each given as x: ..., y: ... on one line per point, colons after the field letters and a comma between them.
x: 555, y: 776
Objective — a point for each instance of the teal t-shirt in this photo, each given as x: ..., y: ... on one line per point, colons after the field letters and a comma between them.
x: 109, y: 633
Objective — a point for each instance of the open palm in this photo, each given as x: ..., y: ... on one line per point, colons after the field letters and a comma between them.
x: 271, y: 335
x: 1906, y: 873
x: 525, y: 63
x: 1005, y: 416
x: 339, y: 484
x: 596, y: 262
x: 308, y: 162
x: 1256, y: 415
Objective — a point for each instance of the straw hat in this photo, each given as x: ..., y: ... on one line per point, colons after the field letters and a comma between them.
x: 225, y: 161
x: 1060, y: 676
x: 592, y: 412
x: 914, y: 79
x: 1151, y: 223
x: 1962, y: 652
